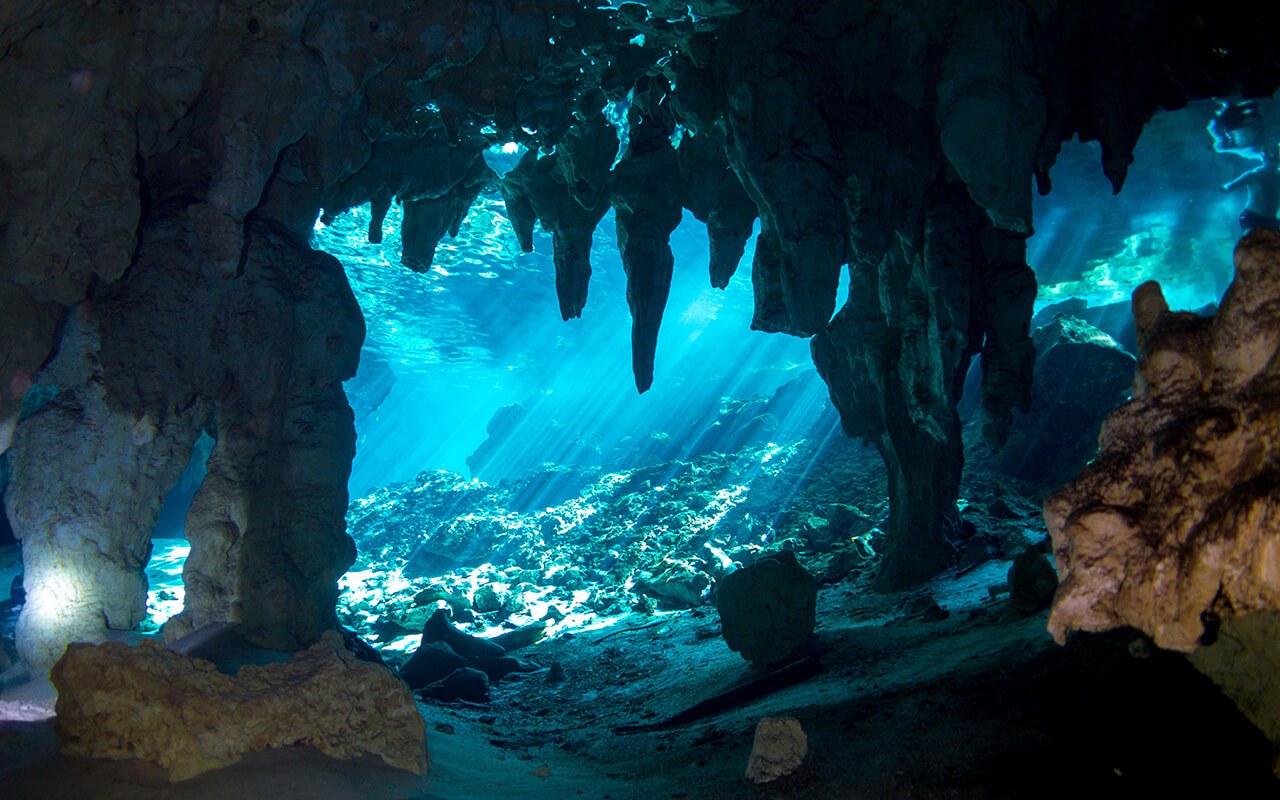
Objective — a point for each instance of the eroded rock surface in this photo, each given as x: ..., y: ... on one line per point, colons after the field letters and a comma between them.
x: 1176, y: 518
x: 179, y: 153
x: 778, y: 748
x: 116, y: 701
x: 86, y: 488
x: 767, y: 609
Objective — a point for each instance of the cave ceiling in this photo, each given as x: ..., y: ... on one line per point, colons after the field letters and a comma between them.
x: 154, y: 150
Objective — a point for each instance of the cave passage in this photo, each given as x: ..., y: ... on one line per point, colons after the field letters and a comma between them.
x: 541, y: 398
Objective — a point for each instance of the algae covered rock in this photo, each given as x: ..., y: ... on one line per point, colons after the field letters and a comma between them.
x: 768, y: 610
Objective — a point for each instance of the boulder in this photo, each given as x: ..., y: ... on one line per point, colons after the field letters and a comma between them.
x: 767, y: 610
x: 779, y: 747
x: 439, y: 629
x: 678, y: 586
x: 1081, y: 374
x: 432, y: 661
x: 1175, y: 518
x: 1032, y: 582
x: 468, y: 684
x: 489, y: 597
x: 121, y: 702
x: 1173, y: 528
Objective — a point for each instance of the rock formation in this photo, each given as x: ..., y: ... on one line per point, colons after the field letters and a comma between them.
x: 767, y: 610
x: 86, y: 487
x: 778, y: 748
x: 1173, y: 519
x: 162, y: 165
x: 1172, y: 529
x: 116, y: 701
x: 1081, y: 374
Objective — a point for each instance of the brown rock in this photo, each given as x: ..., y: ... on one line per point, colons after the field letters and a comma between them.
x: 1177, y: 516
x: 116, y: 701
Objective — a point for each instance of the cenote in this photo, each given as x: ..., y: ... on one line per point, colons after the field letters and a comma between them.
x: 430, y: 401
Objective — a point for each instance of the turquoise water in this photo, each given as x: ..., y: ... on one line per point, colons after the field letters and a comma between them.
x: 482, y: 330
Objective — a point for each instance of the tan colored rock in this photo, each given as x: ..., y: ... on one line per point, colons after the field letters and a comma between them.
x: 1179, y: 515
x: 116, y: 701
x: 780, y: 746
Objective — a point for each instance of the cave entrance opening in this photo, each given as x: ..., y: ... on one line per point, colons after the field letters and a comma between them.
x: 1171, y: 222
x: 507, y: 469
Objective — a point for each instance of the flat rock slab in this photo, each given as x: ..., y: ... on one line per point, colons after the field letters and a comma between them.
x: 116, y: 701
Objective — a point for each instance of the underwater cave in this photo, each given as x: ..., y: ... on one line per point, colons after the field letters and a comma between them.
x: 731, y: 399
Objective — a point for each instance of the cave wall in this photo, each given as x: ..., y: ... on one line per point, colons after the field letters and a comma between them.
x: 162, y: 164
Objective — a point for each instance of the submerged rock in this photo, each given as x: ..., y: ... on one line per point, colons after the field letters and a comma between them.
x: 779, y: 747
x: 1180, y: 500
x: 1032, y: 582
x: 1173, y: 529
x: 121, y: 702
x: 678, y: 586
x: 467, y: 684
x: 767, y: 610
x: 1081, y: 375
x: 439, y: 629
x: 432, y: 661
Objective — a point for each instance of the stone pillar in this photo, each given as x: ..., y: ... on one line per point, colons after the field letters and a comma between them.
x: 86, y: 488
x: 267, y: 527
x: 896, y: 354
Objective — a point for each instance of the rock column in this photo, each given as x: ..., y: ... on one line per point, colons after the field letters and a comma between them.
x: 267, y: 528
x: 87, y: 484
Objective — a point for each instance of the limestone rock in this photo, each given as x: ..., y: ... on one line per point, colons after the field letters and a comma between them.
x: 116, y: 701
x: 275, y: 492
x: 468, y: 684
x: 779, y: 747
x: 427, y: 220
x: 878, y: 349
x: 439, y: 629
x: 431, y: 662
x: 1242, y: 661
x: 767, y: 610
x: 679, y: 585
x: 1081, y: 374
x: 1177, y: 516
x: 1032, y: 582
x: 488, y: 598
x: 85, y: 491
x: 569, y: 205
x: 646, y: 202
x: 715, y: 196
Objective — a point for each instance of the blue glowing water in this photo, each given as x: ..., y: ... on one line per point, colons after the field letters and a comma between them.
x: 1169, y: 223
x: 482, y: 330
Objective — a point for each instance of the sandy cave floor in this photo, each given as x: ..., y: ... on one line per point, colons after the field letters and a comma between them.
x: 979, y: 705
